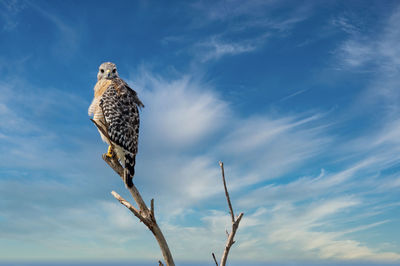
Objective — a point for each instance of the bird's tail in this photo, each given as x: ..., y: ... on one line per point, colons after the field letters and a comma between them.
x: 130, y: 161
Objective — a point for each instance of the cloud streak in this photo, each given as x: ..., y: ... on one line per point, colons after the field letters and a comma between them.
x: 215, y: 48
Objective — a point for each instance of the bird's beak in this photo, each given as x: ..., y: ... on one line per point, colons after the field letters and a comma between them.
x: 108, y: 73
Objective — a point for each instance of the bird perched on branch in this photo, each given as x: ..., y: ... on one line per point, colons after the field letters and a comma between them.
x: 115, y: 108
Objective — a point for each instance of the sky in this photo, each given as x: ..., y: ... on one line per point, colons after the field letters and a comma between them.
x: 299, y: 99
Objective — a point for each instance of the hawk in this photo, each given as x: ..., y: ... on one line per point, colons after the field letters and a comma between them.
x: 115, y: 107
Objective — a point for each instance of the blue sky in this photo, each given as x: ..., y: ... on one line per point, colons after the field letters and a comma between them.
x: 298, y: 98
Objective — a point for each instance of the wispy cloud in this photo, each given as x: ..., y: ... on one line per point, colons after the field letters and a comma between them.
x: 222, y: 10
x: 9, y: 13
x: 296, y: 230
x: 215, y: 48
x: 252, y: 13
x: 68, y: 35
x: 179, y: 112
x: 219, y: 49
x: 379, y: 54
x: 237, y: 27
x: 293, y: 95
x: 304, y: 221
x: 347, y: 24
x: 304, y: 188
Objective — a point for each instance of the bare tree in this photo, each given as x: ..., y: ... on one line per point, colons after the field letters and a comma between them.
x: 235, y: 223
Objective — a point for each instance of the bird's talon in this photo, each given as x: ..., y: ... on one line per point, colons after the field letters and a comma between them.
x: 110, y: 152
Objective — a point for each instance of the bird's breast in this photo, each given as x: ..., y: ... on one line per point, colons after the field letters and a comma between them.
x: 101, y: 87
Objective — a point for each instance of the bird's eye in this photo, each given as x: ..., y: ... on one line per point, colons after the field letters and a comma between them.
x: 102, y: 70
x: 114, y: 70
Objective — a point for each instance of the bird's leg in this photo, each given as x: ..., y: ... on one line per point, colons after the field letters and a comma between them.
x: 110, y: 153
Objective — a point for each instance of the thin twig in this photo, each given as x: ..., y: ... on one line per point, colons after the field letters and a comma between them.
x: 235, y: 223
x: 215, y: 259
x: 128, y: 205
x: 221, y: 164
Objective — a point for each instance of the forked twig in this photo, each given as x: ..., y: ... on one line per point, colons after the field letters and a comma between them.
x: 235, y: 223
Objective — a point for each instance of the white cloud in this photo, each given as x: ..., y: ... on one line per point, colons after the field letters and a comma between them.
x: 389, y: 134
x: 377, y: 53
x: 357, y: 53
x: 272, y: 146
x: 378, y: 48
x: 304, y: 188
x: 178, y: 113
x: 293, y: 94
x: 304, y: 213
x: 346, y: 24
x: 296, y: 231
x: 255, y: 132
x: 252, y: 14
x: 215, y: 48
x: 238, y: 27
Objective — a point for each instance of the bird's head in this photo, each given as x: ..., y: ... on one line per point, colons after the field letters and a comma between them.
x: 107, y: 70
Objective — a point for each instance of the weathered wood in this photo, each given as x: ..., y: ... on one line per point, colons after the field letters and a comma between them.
x: 149, y: 220
x: 231, y: 241
x: 144, y: 214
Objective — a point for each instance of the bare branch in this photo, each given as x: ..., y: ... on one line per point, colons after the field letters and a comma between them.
x: 215, y: 260
x: 221, y: 164
x: 144, y: 214
x: 235, y: 223
x: 128, y: 205
x: 231, y: 240
x: 114, y: 164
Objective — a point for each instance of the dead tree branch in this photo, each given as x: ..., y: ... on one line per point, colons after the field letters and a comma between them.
x: 221, y: 164
x: 144, y: 214
x: 235, y: 223
x: 215, y: 259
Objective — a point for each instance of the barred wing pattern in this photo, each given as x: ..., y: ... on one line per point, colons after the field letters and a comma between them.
x: 120, y: 105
